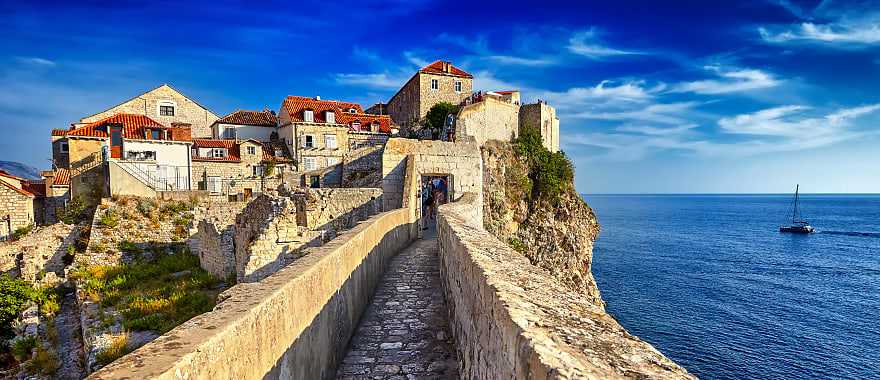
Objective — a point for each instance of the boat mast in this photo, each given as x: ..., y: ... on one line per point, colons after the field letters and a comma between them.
x: 795, y: 213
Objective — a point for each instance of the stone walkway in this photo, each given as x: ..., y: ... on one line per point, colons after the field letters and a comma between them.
x: 404, y: 333
x: 70, y: 347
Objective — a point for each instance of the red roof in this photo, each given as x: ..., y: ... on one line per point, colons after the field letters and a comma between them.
x: 133, y: 127
x: 62, y: 177
x: 445, y: 68
x: 505, y: 92
x: 243, y: 117
x: 365, y: 121
x: 233, y: 153
x: 35, y: 188
x: 22, y: 181
x: 295, y: 106
x: 269, y: 151
x: 59, y: 132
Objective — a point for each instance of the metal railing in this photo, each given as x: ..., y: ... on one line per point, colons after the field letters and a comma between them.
x: 172, y: 178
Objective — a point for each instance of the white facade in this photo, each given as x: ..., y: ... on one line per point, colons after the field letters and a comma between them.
x: 166, y: 164
x: 242, y: 132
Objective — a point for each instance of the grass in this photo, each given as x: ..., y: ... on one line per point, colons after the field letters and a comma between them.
x: 75, y: 211
x: 20, y: 232
x: 21, y: 348
x: 517, y: 245
x: 156, y: 294
x: 117, y: 349
x: 43, y: 362
x: 109, y: 219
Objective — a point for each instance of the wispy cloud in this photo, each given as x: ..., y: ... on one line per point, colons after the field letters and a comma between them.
x: 375, y: 80
x: 587, y: 43
x: 36, y: 61
x: 844, y: 27
x: 729, y: 81
x: 656, y: 131
x: 795, y: 121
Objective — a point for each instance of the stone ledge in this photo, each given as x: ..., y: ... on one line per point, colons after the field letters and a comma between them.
x: 511, y: 319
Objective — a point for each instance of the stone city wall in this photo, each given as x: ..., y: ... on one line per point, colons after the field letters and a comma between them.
x: 294, y: 324
x: 490, y: 119
x: 337, y: 209
x: 511, y: 319
x: 542, y: 116
x: 42, y: 251
x: 213, y: 240
x: 19, y: 208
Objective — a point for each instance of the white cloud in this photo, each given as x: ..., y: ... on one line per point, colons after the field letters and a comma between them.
x: 845, y: 32
x: 656, y: 131
x: 737, y: 80
x: 587, y: 44
x: 376, y: 80
x: 36, y: 61
x: 415, y: 60
x: 663, y: 113
x: 521, y: 61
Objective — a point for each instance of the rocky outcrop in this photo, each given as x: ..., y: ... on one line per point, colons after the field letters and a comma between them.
x: 555, y: 235
x: 41, y: 255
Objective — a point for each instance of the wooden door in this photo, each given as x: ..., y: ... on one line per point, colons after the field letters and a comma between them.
x: 116, y: 141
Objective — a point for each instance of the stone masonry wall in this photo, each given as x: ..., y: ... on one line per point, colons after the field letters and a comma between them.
x: 511, y: 319
x: 445, y: 93
x: 542, y: 116
x: 337, y: 209
x: 19, y: 208
x: 214, y: 239
x: 41, y: 251
x: 490, y: 119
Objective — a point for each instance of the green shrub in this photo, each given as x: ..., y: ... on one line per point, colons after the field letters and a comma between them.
x: 436, y: 116
x: 176, y: 207
x: 44, y: 362
x: 109, y: 219
x: 21, y: 348
x: 270, y: 168
x: 75, y: 211
x: 551, y: 173
x: 117, y: 349
x: 146, y: 206
x: 517, y: 245
x: 14, y: 296
x: 20, y: 232
x: 129, y: 247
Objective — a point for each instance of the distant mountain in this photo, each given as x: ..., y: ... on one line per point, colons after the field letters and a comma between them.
x: 20, y: 170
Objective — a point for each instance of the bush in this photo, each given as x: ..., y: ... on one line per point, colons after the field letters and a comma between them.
x: 21, y: 348
x: 129, y: 247
x: 44, y: 363
x: 117, y: 349
x: 146, y: 206
x: 176, y: 207
x: 109, y: 219
x: 551, y: 173
x: 20, y: 232
x: 14, y: 296
x: 75, y: 211
x: 436, y: 117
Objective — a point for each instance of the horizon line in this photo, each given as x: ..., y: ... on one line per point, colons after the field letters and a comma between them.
x: 727, y: 193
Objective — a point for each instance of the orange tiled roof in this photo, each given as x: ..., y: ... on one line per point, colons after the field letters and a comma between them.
x: 59, y: 132
x: 37, y: 188
x: 62, y: 177
x: 17, y: 190
x: 365, y: 120
x: 269, y: 151
x: 295, y: 106
x: 233, y: 152
x: 438, y: 68
x: 244, y: 117
x: 133, y: 127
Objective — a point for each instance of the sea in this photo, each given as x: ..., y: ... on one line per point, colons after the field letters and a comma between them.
x: 711, y: 282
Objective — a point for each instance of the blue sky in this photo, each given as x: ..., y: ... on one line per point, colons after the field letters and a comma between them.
x: 688, y: 96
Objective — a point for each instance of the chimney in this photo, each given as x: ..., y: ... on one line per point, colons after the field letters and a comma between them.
x: 317, y: 97
x: 446, y: 66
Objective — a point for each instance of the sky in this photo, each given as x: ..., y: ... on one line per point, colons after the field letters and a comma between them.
x: 653, y: 97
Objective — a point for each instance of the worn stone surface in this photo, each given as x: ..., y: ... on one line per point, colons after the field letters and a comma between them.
x: 542, y: 116
x: 17, y: 206
x: 512, y: 319
x: 41, y: 251
x: 489, y: 119
x: 404, y: 331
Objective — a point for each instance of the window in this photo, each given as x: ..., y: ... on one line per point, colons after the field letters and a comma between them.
x: 140, y: 156
x: 258, y: 170
x: 252, y: 150
x: 214, y: 185
x: 308, y: 141
x: 434, y: 84
x: 63, y: 147
x: 166, y: 110
x: 458, y: 86
x: 279, y: 152
x: 332, y: 161
x: 352, y: 110
x: 331, y: 117
x: 356, y: 126
x: 309, y: 116
x: 309, y: 163
x: 218, y: 153
x: 330, y: 141
x: 374, y: 127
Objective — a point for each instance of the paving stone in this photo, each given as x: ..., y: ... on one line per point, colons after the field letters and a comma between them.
x: 405, y: 330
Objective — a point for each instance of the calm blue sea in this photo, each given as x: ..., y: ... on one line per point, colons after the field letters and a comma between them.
x: 710, y: 282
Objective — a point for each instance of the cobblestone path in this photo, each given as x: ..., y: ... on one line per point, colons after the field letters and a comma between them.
x: 404, y: 334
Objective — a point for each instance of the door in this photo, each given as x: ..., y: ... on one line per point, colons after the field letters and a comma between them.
x: 248, y: 193
x: 116, y: 141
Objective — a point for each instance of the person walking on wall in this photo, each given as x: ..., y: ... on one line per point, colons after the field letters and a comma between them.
x: 427, y: 203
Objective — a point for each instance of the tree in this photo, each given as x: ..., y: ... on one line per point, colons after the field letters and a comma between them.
x: 436, y: 117
x: 14, y: 296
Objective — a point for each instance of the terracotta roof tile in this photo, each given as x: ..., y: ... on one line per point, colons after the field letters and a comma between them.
x: 59, y: 132
x: 62, y: 177
x: 440, y: 67
x: 37, y: 188
x: 133, y: 127
x: 233, y: 152
x: 244, y: 117
x: 269, y: 151
x: 365, y: 121
x: 17, y: 190
x: 295, y: 105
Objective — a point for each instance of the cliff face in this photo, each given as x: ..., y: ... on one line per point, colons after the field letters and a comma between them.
x: 555, y: 235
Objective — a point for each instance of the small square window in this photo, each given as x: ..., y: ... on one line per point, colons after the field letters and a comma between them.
x: 332, y: 161
x: 435, y: 84
x: 252, y: 150
x: 257, y: 170
x: 309, y: 116
x: 63, y: 147
x: 154, y: 134
x: 309, y: 141
x: 219, y: 153
x: 309, y: 163
x: 330, y: 141
x: 166, y: 110
x: 458, y: 86
x: 330, y: 117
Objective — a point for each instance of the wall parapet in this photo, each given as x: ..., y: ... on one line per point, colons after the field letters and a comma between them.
x: 511, y: 319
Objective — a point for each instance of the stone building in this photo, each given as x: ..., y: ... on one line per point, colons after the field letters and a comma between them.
x: 542, y: 116
x: 489, y: 116
x: 237, y: 170
x: 165, y: 105
x: 16, y: 204
x: 56, y: 194
x: 432, y: 84
x: 321, y: 133
x: 244, y: 125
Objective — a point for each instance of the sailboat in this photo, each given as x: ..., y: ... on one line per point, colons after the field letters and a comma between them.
x: 798, y: 224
